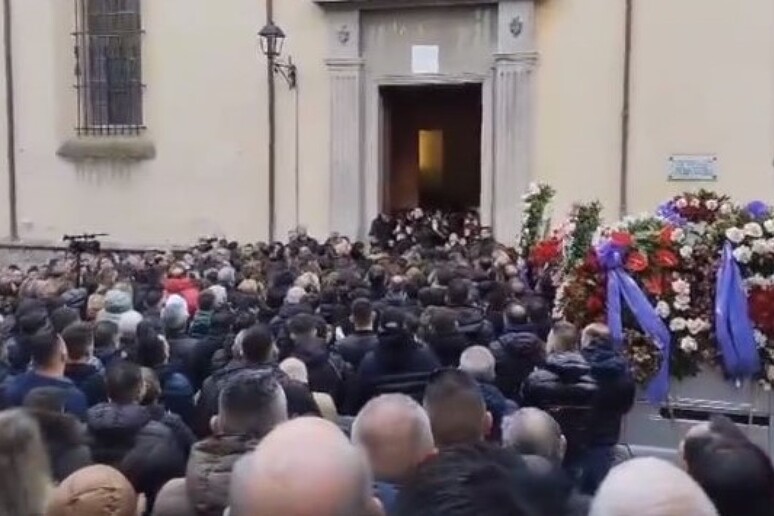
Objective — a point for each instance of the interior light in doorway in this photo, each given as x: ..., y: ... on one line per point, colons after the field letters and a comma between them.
x: 430, y: 144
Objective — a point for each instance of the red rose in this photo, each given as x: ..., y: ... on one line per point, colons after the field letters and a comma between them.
x: 594, y: 305
x: 665, y: 236
x: 622, y: 239
x: 666, y: 259
x: 637, y: 262
x: 654, y: 284
x: 545, y: 252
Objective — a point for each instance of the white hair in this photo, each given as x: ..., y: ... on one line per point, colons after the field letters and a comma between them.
x: 478, y: 362
x: 531, y: 431
x: 127, y: 324
x: 295, y: 295
x: 295, y: 369
x: 650, y: 487
x: 423, y: 432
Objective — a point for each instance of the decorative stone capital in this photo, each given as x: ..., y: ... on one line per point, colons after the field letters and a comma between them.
x: 526, y: 59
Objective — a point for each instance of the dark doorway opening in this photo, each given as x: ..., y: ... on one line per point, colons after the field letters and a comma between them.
x: 432, y: 147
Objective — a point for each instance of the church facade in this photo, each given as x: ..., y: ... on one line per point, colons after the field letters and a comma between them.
x: 149, y: 119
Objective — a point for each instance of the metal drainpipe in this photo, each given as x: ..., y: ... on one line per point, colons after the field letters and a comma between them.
x: 623, y: 207
x: 10, y: 120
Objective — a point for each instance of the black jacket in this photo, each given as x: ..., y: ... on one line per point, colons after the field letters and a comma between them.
x: 279, y: 326
x: 354, y: 347
x: 90, y: 380
x: 327, y: 371
x: 201, y: 365
x: 516, y: 356
x: 66, y: 442
x: 616, y: 392
x: 565, y: 389
x: 129, y: 439
x: 396, y: 355
x: 473, y: 323
x: 449, y: 346
x: 182, y: 351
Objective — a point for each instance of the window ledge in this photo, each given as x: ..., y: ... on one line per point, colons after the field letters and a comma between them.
x: 107, y: 149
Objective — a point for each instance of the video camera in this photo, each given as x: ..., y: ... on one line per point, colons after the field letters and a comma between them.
x: 84, y: 243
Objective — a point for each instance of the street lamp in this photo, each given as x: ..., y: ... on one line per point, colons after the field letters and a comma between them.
x: 272, y: 39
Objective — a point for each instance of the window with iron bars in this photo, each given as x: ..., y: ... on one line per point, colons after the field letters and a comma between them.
x: 108, y: 67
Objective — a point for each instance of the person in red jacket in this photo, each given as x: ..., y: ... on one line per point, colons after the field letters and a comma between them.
x: 179, y: 283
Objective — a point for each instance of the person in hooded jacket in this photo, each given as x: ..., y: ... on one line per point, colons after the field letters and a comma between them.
x: 251, y: 404
x: 397, y: 356
x: 472, y: 320
x: 180, y: 284
x: 327, y: 371
x: 565, y: 388
x: 615, y: 399
x: 445, y: 338
x: 517, y: 351
x: 63, y: 435
x: 125, y: 435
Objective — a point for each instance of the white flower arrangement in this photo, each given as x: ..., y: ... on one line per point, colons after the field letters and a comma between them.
x: 726, y: 208
x: 682, y: 302
x: 663, y: 310
x: 681, y: 203
x: 760, y: 338
x: 689, y: 344
x: 678, y: 235
x: 753, y: 229
x: 760, y: 246
x: 696, y: 326
x: 686, y: 251
x: 711, y: 204
x: 769, y: 226
x: 743, y: 254
x: 681, y: 287
x: 678, y: 324
x: 695, y: 202
x: 735, y: 235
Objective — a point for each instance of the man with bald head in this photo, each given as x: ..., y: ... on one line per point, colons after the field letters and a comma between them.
x: 531, y: 431
x: 395, y: 433
x: 305, y: 467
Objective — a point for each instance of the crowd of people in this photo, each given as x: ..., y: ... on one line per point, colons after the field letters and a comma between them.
x: 313, y: 378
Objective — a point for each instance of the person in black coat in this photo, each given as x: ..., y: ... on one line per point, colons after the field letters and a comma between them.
x: 472, y: 320
x: 565, y: 389
x: 126, y: 437
x: 63, y: 435
x: 397, y: 354
x: 220, y: 328
x: 82, y: 367
x: 355, y: 346
x: 445, y: 338
x: 518, y: 351
x: 615, y: 399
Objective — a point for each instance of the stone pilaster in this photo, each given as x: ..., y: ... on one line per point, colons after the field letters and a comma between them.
x: 346, y: 133
x: 513, y: 129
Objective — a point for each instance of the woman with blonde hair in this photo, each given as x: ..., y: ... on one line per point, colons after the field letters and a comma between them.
x: 25, y: 478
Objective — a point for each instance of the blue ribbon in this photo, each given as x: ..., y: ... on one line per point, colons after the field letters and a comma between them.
x: 733, y: 327
x: 620, y: 285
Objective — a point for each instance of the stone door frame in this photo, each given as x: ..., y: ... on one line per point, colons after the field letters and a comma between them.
x: 356, y: 120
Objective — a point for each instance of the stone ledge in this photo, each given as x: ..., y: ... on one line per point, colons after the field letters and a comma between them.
x: 107, y: 149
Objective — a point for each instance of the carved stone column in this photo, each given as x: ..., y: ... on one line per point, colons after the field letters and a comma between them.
x: 346, y: 132
x: 513, y: 128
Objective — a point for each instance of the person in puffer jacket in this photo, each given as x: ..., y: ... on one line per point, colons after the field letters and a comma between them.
x: 125, y: 435
x: 251, y: 405
x: 472, y: 320
x: 445, y: 338
x: 615, y: 399
x: 565, y: 388
x: 178, y: 283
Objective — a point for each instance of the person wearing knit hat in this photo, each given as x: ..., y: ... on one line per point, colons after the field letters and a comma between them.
x: 95, y: 491
x: 117, y: 302
x: 174, y: 315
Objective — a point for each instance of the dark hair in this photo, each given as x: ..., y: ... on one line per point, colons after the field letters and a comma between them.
x: 124, y: 382
x: 248, y: 402
x: 537, y: 309
x: 458, y: 292
x: 44, y: 347
x: 456, y: 408
x: 257, y: 344
x: 362, y: 312
x: 63, y: 317
x: 206, y: 301
x: 151, y: 350
x: 302, y: 324
x: 105, y: 334
x: 443, y: 321
x: 476, y: 480
x: 78, y: 337
x: 221, y: 322
x: 736, y: 475
x: 46, y: 399
x: 153, y: 297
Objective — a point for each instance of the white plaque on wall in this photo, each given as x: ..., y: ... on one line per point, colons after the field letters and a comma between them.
x: 693, y: 167
x: 424, y: 59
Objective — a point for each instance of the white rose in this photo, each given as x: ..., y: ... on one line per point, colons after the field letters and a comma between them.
x: 769, y: 226
x: 533, y: 189
x: 760, y: 338
x: 681, y: 203
x: 688, y: 344
x: 735, y: 235
x: 726, y: 208
x: 700, y: 228
x: 743, y: 254
x: 681, y: 287
x: 753, y: 229
x: 686, y: 251
x: 760, y: 246
x: 695, y: 326
x: 711, y: 204
x: 662, y: 308
x: 678, y: 235
x: 682, y: 303
x: 756, y: 280
x: 695, y: 202
x: 677, y: 324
